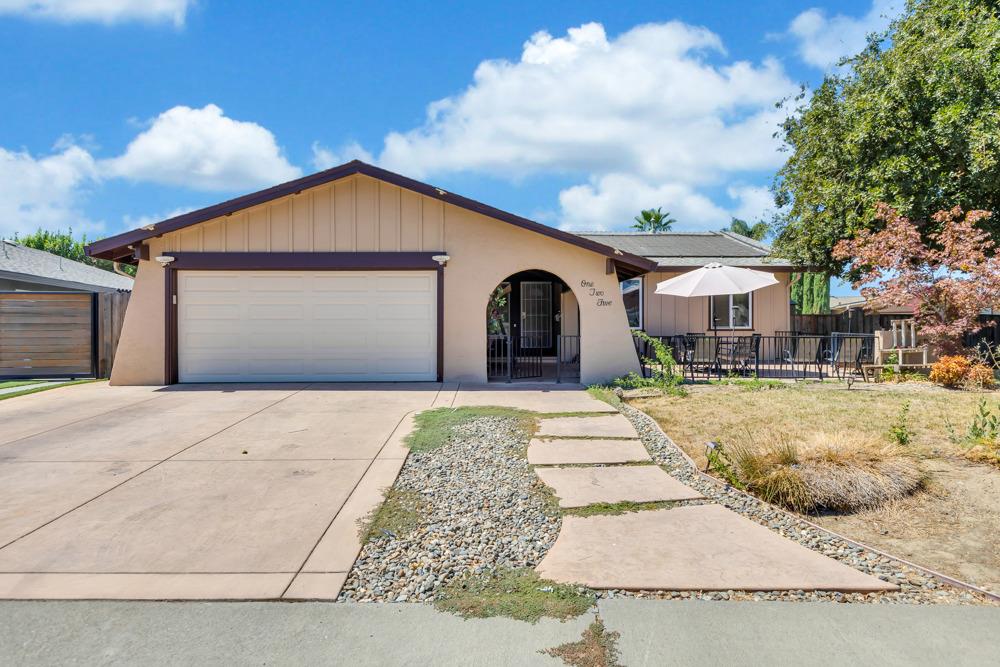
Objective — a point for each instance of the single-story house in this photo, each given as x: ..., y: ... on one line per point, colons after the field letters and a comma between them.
x: 358, y: 273
x: 24, y: 269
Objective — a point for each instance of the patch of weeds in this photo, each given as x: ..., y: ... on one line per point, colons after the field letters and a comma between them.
x: 435, y: 428
x: 664, y: 373
x: 606, y: 394
x: 622, y: 507
x: 752, y: 383
x: 515, y: 593
x: 982, y: 439
x: 400, y: 513
x: 900, y: 431
x: 596, y: 648
x: 25, y: 392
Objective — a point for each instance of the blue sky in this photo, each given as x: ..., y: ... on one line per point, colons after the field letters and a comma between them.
x: 573, y: 113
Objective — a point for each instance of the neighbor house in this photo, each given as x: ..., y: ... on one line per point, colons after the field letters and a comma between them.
x: 24, y: 269
x: 357, y: 273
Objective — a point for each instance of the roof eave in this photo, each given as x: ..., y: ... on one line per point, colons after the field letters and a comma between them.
x: 114, y: 247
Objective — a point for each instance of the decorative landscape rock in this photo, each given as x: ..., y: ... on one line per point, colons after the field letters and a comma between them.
x: 486, y: 509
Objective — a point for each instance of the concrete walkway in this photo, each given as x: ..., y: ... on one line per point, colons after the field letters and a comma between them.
x: 651, y: 634
x: 702, y: 547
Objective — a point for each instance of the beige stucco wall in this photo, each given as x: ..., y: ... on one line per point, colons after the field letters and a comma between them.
x: 359, y: 213
x: 669, y: 315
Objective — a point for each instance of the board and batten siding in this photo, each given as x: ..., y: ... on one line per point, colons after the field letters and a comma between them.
x: 355, y: 214
x: 666, y: 315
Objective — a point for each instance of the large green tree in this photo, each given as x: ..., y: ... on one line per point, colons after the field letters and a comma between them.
x: 66, y: 245
x: 913, y: 121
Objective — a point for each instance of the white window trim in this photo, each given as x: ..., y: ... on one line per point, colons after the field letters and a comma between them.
x: 721, y: 327
x: 642, y: 301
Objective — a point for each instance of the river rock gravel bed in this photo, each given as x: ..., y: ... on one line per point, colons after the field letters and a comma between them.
x: 485, y: 509
x: 915, y: 586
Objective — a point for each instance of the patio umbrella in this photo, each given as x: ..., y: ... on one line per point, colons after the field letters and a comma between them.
x: 715, y: 280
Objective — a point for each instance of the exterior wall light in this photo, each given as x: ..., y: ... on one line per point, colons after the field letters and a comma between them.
x: 163, y: 260
x: 441, y: 259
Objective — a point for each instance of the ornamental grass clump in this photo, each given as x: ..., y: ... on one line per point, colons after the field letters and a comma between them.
x: 839, y: 472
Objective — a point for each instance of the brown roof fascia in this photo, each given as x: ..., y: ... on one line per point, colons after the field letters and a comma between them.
x: 113, y: 246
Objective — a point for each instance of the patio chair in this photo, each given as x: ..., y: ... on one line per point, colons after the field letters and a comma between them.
x: 745, y: 355
x: 805, y: 351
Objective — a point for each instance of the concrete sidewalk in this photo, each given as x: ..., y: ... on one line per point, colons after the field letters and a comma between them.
x: 652, y: 633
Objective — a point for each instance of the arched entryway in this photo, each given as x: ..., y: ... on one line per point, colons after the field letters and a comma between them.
x: 533, y: 329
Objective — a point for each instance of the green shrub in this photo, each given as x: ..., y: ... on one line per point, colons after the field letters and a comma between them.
x: 664, y: 372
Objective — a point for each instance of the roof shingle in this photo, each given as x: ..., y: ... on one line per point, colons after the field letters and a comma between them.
x: 20, y: 263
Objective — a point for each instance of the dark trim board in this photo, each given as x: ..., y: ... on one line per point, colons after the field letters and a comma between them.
x: 291, y: 261
x: 306, y: 261
x: 117, y: 247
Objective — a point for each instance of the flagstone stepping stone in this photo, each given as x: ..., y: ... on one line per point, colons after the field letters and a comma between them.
x: 573, y: 451
x: 604, y: 426
x: 697, y: 547
x: 579, y: 487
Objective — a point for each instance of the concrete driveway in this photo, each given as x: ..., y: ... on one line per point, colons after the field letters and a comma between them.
x: 195, y: 492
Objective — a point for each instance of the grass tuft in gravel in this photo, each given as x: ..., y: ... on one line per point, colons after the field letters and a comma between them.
x: 618, y: 508
x: 400, y: 513
x: 605, y: 394
x: 596, y: 648
x: 515, y: 593
x: 435, y: 428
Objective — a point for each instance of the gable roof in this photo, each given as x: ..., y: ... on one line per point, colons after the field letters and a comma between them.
x: 18, y: 262
x: 118, y: 247
x: 688, y: 249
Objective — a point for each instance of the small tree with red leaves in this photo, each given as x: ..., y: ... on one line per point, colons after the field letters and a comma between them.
x: 948, y: 280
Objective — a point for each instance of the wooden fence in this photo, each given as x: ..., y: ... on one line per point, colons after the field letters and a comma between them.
x: 846, y: 322
x: 59, y: 334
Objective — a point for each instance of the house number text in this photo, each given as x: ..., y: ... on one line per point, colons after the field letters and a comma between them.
x: 597, y: 294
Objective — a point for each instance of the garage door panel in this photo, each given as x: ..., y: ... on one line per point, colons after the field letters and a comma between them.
x: 341, y: 282
x: 358, y: 312
x: 320, y: 326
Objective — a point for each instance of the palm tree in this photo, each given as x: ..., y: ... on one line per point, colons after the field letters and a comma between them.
x: 758, y: 231
x: 653, y: 220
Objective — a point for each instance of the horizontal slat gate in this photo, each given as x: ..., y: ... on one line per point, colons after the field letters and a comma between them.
x: 46, y: 334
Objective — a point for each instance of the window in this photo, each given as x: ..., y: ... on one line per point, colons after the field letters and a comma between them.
x: 732, y: 311
x: 632, y: 298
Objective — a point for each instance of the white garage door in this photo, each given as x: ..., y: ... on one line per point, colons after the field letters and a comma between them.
x: 274, y: 326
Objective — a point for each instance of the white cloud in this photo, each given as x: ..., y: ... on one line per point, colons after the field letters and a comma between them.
x: 646, y: 118
x: 823, y: 40
x: 648, y: 103
x: 100, y: 11
x: 45, y: 191
x: 325, y: 158
x: 753, y: 202
x: 135, y: 222
x: 611, y: 201
x: 205, y: 150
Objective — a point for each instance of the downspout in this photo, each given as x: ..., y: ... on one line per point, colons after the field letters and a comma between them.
x: 117, y: 266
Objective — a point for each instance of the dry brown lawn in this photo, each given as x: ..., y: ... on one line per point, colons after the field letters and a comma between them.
x: 952, y: 525
x: 801, y: 411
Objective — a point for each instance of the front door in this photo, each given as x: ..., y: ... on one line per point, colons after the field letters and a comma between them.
x: 536, y: 314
